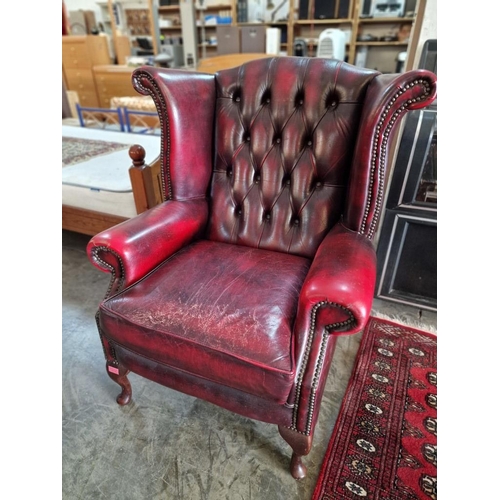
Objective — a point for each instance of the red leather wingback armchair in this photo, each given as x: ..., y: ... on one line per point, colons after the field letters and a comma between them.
x: 235, y: 288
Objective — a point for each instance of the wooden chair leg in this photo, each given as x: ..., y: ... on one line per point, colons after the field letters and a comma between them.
x: 301, y: 445
x: 119, y: 375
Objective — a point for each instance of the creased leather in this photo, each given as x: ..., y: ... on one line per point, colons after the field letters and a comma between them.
x: 221, y: 311
x: 136, y: 246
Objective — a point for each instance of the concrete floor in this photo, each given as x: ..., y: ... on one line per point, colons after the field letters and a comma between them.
x: 166, y: 445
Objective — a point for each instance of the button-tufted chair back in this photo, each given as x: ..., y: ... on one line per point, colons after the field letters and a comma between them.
x: 284, y: 141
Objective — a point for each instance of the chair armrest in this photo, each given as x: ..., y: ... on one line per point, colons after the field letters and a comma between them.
x: 133, y: 248
x: 342, y: 276
x: 335, y: 299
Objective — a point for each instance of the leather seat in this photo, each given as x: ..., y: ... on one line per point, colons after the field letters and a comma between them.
x: 226, y: 314
x: 235, y: 288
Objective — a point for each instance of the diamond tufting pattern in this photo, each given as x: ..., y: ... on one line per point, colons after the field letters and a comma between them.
x: 283, y: 151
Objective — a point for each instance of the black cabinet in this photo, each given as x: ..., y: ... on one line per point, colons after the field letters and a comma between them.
x: 407, y: 245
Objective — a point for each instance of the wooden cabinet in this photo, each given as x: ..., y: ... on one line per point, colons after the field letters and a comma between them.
x: 113, y: 81
x: 79, y: 55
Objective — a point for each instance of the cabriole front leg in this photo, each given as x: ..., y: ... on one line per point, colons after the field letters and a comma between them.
x: 116, y: 371
x: 118, y: 374
x: 301, y: 446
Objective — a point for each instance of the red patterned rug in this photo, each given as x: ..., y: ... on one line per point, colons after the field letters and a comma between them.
x: 384, y: 443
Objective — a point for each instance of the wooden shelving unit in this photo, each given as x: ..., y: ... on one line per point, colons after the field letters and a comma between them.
x: 207, y: 32
x: 382, y: 53
x: 169, y: 14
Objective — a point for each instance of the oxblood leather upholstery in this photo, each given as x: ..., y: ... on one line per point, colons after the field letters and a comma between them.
x: 235, y: 288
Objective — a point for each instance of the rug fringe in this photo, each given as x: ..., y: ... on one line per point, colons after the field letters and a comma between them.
x: 405, y: 322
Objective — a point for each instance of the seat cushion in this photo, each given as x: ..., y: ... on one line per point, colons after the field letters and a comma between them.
x: 219, y: 311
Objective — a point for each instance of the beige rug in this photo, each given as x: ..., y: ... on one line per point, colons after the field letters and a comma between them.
x: 75, y: 150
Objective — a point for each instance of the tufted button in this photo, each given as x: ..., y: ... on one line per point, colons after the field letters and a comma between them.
x: 288, y: 181
x: 299, y: 98
x: 229, y: 171
x: 267, y: 216
x: 257, y: 178
x: 296, y: 221
x: 278, y: 141
x: 309, y: 142
x: 237, y: 211
x: 266, y: 97
x: 237, y: 99
x: 319, y: 184
x: 332, y: 100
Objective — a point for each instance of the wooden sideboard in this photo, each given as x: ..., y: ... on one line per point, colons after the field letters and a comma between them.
x: 113, y: 81
x: 79, y: 55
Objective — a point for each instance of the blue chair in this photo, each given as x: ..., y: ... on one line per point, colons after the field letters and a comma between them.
x: 104, y: 118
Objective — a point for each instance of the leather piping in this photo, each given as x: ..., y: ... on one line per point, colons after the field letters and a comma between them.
x: 383, y: 151
x: 112, y: 352
x: 317, y: 370
x: 160, y: 103
x: 109, y: 267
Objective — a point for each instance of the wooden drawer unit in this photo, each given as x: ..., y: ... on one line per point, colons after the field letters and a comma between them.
x: 88, y: 98
x: 81, y: 81
x: 79, y: 55
x: 113, y: 81
x: 116, y: 81
x: 75, y: 55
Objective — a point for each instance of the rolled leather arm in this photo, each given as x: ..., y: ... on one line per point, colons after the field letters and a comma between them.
x: 343, y: 274
x: 335, y: 299
x: 133, y: 248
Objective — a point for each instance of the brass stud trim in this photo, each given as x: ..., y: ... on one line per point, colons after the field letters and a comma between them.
x: 382, y: 156
x: 310, y: 337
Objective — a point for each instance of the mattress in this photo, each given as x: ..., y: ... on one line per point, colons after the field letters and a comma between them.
x: 95, y: 168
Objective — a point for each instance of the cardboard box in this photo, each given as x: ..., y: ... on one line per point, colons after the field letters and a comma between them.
x: 228, y: 40
x: 253, y: 39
